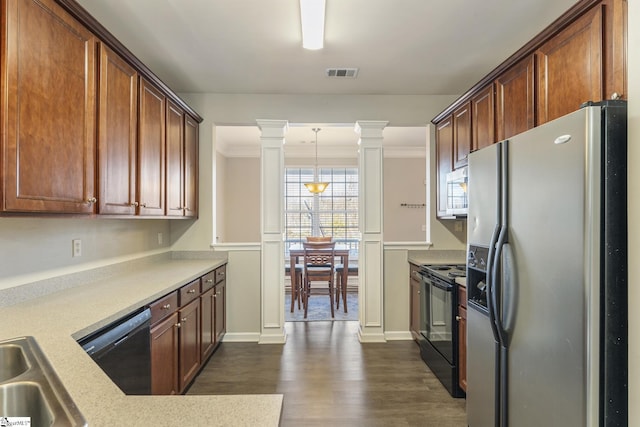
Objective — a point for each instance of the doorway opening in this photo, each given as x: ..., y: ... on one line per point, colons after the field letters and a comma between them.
x: 333, y: 215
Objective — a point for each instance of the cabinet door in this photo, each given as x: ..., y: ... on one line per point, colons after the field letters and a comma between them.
x: 220, y: 310
x: 616, y: 48
x: 151, y: 150
x: 515, y: 101
x: 570, y: 67
x: 207, y: 316
x: 444, y: 162
x: 164, y: 356
x: 117, y: 134
x: 483, y: 123
x: 461, y: 135
x: 462, y: 348
x: 190, y: 167
x: 175, y: 160
x: 48, y: 109
x: 189, y: 342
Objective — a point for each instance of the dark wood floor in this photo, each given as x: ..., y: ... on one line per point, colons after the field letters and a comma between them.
x: 329, y: 378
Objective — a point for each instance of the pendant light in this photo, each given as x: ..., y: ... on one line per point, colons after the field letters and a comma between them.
x: 316, y: 187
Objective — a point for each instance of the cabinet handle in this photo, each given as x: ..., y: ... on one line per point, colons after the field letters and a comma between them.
x: 185, y: 208
x: 458, y: 318
x: 419, y: 292
x: 91, y: 200
x: 191, y: 291
x: 135, y: 204
x: 183, y: 320
x: 178, y: 325
x: 144, y: 205
x: 166, y: 306
x: 209, y: 281
x: 616, y: 95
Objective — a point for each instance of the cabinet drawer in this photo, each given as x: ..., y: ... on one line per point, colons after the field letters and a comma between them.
x: 164, y: 307
x: 208, y: 280
x: 462, y: 296
x: 189, y: 292
x: 221, y: 273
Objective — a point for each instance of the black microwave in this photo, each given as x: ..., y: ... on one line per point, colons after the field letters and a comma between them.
x: 457, y: 199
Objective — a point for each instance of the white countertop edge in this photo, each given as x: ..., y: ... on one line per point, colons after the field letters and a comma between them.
x: 410, y: 246
x: 241, y: 246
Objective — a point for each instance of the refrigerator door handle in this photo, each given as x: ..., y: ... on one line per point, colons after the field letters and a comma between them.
x: 493, y: 242
x: 509, y: 290
x: 496, y: 275
x: 496, y: 295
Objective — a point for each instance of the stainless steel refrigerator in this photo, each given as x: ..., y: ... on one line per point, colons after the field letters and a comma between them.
x: 547, y: 274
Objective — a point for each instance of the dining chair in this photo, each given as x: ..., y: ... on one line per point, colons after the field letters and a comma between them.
x: 319, y: 263
x: 296, y: 291
x: 341, y: 288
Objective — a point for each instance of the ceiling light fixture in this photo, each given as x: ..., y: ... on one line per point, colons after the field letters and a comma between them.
x: 312, y: 20
x: 316, y: 187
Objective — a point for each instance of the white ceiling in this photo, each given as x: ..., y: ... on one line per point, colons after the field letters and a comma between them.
x: 415, y: 47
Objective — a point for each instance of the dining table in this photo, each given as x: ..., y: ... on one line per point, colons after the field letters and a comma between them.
x: 341, y: 250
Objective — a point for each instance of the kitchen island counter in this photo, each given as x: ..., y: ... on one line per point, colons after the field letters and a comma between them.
x: 58, y: 319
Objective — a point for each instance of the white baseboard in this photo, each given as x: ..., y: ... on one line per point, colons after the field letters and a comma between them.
x: 398, y: 336
x: 241, y: 337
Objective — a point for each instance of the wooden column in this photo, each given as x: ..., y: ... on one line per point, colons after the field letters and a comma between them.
x: 370, y: 269
x: 272, y: 229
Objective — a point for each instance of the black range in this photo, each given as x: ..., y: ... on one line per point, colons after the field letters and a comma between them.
x: 438, y: 325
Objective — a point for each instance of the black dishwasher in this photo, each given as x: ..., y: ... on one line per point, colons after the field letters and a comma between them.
x: 122, y: 350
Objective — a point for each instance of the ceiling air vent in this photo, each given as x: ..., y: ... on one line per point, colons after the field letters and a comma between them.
x: 350, y: 73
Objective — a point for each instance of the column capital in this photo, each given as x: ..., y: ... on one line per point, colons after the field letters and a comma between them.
x: 273, y: 128
x: 370, y: 128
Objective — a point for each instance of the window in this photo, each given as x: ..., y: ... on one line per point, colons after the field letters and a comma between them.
x: 331, y: 213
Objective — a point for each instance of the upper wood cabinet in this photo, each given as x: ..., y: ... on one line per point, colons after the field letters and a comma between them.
x: 84, y: 120
x: 570, y: 67
x: 515, y: 99
x: 190, y: 166
x: 117, y: 134
x: 483, y: 123
x: 48, y: 110
x: 151, y: 150
x: 461, y: 135
x: 175, y: 160
x: 182, y: 158
x: 579, y: 57
x: 444, y: 162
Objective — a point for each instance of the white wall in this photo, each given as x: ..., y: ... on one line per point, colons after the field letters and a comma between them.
x: 404, y: 183
x: 33, y: 249
x: 634, y: 209
x: 242, y: 200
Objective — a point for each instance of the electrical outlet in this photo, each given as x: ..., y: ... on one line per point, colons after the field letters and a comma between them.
x: 160, y: 238
x: 77, y: 247
x: 457, y: 226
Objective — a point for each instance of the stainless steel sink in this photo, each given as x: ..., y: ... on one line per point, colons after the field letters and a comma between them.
x: 13, y: 362
x: 29, y: 387
x: 26, y: 399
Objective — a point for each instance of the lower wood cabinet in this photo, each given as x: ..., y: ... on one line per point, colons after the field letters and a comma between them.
x: 189, y: 342
x: 164, y: 356
x: 462, y: 337
x: 187, y: 326
x: 208, y: 337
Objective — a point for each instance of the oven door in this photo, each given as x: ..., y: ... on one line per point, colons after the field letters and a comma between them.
x: 437, y: 315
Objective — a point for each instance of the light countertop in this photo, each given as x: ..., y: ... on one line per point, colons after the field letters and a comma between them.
x: 58, y: 319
